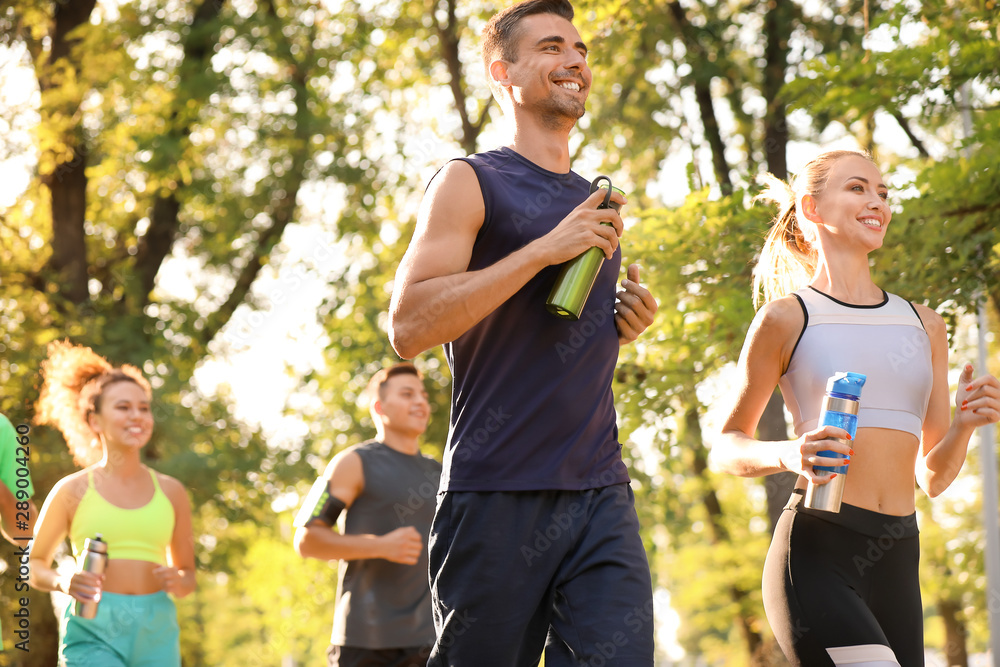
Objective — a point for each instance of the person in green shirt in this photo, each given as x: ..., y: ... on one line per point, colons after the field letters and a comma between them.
x: 16, y: 529
x: 17, y: 511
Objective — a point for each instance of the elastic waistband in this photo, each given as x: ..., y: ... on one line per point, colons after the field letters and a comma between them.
x: 860, y: 520
x: 146, y: 601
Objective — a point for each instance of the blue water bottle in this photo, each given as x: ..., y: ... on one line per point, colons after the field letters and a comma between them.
x: 840, y: 409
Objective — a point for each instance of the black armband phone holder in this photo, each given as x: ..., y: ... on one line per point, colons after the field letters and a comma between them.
x: 319, y: 504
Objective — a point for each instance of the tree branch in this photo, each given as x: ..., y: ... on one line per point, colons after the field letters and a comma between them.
x: 905, y: 126
x: 981, y: 208
x: 284, y: 208
x: 702, y: 81
x: 448, y: 36
x: 157, y: 242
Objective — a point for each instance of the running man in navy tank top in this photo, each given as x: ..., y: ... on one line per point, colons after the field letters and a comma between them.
x: 534, y: 490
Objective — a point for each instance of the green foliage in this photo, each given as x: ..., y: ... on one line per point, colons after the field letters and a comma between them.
x: 951, y: 562
x: 939, y: 47
x: 948, y: 253
x: 696, y: 261
x: 279, y: 606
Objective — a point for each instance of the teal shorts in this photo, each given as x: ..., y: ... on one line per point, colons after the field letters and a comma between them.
x: 128, y: 631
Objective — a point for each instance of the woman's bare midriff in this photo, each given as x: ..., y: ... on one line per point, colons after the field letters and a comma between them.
x: 880, y: 477
x: 131, y: 577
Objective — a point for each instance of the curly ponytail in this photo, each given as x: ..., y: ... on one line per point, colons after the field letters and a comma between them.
x: 788, y: 258
x: 73, y: 381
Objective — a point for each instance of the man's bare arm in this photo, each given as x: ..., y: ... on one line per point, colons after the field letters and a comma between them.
x: 436, y: 298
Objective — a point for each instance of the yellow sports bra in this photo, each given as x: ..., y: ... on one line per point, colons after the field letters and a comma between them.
x: 142, y: 533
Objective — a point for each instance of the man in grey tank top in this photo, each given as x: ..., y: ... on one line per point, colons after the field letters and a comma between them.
x: 383, y: 615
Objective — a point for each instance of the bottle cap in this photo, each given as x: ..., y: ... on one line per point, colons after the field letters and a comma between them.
x: 95, y: 544
x: 846, y: 383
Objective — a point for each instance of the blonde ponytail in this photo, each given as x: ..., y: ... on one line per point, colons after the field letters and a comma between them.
x: 787, y: 261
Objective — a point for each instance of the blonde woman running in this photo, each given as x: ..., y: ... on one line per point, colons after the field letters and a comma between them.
x: 827, y: 599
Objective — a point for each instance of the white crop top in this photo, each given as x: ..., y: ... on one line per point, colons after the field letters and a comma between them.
x: 886, y: 342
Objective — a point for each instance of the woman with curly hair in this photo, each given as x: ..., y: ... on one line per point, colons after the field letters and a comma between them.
x: 144, y: 517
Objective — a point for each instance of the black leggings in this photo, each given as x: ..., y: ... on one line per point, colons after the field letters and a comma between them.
x: 846, y: 579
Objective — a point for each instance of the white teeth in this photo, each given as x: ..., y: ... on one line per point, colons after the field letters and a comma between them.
x: 570, y: 86
x: 871, y: 222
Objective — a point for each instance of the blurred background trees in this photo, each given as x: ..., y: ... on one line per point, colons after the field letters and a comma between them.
x: 219, y: 192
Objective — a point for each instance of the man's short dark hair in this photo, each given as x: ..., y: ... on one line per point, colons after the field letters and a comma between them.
x: 376, y: 386
x: 503, y: 30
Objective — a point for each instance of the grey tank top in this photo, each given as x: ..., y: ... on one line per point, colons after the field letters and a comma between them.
x: 886, y: 342
x: 381, y: 604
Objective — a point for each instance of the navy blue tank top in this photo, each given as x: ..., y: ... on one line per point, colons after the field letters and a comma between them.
x: 532, y: 407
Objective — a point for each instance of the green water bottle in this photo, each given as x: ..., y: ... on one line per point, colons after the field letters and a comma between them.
x: 569, y: 294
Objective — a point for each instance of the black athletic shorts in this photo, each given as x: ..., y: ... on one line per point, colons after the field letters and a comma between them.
x: 351, y: 656
x: 515, y: 573
x: 842, y: 588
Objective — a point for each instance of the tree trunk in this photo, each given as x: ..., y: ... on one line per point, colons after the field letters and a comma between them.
x: 67, y: 187
x: 778, y: 30
x: 866, y: 135
x: 954, y: 633
x: 67, y: 180
x: 693, y: 442
x: 779, y: 486
x: 158, y: 241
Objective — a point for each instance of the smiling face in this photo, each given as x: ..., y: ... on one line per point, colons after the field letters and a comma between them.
x: 402, y: 406
x: 550, y: 75
x: 853, y: 206
x: 124, y: 416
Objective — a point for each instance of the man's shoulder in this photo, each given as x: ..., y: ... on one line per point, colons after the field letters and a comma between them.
x: 367, y: 446
x: 493, y: 156
x: 504, y: 159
